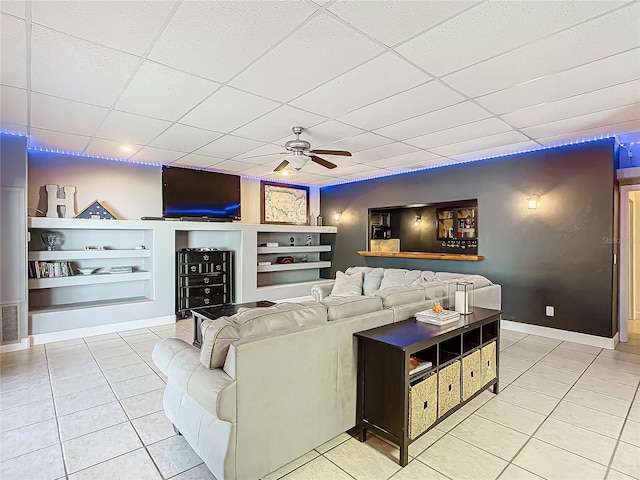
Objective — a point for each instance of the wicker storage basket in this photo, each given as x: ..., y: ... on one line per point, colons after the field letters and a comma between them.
x: 471, y: 377
x: 423, y: 405
x: 448, y: 387
x: 488, y: 358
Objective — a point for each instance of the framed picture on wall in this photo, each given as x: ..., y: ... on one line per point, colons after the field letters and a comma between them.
x: 284, y: 204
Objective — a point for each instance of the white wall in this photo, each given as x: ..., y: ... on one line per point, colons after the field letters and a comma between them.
x: 128, y: 190
x: 634, y: 254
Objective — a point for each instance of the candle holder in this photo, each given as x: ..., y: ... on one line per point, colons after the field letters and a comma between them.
x: 461, y: 297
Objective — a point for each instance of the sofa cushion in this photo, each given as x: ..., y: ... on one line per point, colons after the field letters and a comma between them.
x: 435, y: 290
x: 343, y: 307
x: 400, y: 295
x: 347, y: 285
x: 372, y: 278
x: 448, y: 276
x: 397, y: 276
x: 478, y: 281
x: 218, y: 334
x: 427, y: 276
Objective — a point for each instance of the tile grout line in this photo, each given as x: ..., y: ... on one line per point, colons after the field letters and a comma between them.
x: 547, y: 416
x: 619, y: 439
x: 128, y: 420
x: 55, y: 414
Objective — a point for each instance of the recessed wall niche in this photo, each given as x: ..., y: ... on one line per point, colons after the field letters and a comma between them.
x: 446, y: 227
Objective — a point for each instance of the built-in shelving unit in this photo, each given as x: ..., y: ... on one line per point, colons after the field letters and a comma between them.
x: 304, y: 244
x: 73, y: 300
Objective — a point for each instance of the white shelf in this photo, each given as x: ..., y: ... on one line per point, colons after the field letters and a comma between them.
x: 280, y: 267
x: 92, y: 304
x: 70, y: 255
x: 310, y: 283
x: 53, y: 282
x: 294, y: 249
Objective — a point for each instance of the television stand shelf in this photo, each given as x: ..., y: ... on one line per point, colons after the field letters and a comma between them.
x: 401, y: 406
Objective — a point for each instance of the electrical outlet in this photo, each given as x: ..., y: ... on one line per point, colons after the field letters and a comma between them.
x: 549, y: 311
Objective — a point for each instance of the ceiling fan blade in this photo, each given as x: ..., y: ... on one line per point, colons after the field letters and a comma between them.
x: 342, y: 153
x: 322, y: 161
x: 282, y: 166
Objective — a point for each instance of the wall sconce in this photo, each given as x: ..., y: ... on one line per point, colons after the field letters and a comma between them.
x: 532, y: 201
x: 416, y: 222
x: 337, y: 216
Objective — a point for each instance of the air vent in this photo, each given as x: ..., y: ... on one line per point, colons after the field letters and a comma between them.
x: 10, y: 331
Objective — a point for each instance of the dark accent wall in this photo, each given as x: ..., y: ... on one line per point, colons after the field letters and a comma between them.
x: 561, y: 254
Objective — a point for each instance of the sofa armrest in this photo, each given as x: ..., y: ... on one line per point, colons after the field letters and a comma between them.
x: 321, y: 291
x: 213, y: 389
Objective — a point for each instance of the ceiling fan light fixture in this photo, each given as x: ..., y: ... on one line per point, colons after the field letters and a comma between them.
x: 297, y: 160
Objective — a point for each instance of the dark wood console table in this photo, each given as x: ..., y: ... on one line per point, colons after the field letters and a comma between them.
x: 401, y: 406
x: 217, y: 311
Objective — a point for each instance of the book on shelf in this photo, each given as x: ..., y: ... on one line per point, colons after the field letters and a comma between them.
x: 263, y: 264
x: 270, y: 244
x: 38, y: 269
x: 123, y: 269
x: 421, y: 367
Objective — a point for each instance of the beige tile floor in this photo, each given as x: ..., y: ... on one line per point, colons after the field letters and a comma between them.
x: 92, y: 409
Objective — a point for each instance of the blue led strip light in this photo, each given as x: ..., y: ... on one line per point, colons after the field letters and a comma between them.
x: 445, y: 162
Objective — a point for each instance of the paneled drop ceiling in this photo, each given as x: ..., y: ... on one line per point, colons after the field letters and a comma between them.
x: 402, y: 84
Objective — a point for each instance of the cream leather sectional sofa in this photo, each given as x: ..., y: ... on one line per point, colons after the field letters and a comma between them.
x: 271, y: 384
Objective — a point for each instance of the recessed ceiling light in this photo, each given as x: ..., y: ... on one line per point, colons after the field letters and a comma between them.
x: 126, y: 148
x: 285, y: 172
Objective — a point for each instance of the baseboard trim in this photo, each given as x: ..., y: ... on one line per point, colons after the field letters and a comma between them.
x: 41, y: 338
x: 14, y: 347
x: 565, y: 335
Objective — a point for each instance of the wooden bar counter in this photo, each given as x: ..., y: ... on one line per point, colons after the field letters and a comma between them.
x: 424, y: 256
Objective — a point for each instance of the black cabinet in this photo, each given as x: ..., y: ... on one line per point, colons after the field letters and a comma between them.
x: 204, y: 278
x: 413, y: 375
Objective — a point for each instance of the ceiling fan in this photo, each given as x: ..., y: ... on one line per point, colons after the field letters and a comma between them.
x: 301, y: 153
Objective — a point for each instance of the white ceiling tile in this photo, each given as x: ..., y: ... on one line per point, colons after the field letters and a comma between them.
x: 394, y: 22
x: 306, y: 59
x: 128, y: 128
x: 13, y: 7
x: 586, y: 122
x: 492, y: 28
x: 13, y: 105
x: 194, y: 160
x: 218, y: 39
x: 259, y: 170
x: 328, y: 132
x: 370, y: 173
x: 406, y: 159
x: 477, y: 144
x: 129, y: 26
x: 228, y: 146
x: 57, y: 140
x: 13, y: 50
x: 584, y: 42
x: 183, y: 138
x: 585, y: 78
x: 263, y: 154
x: 459, y: 114
x: 591, y: 102
x: 423, y: 99
x: 227, y: 110
x: 63, y: 115
x: 384, y: 151
x: 76, y: 69
x: 343, y: 172
x: 162, y: 92
x: 511, y: 148
x: 357, y: 143
x: 482, y: 128
x: 109, y: 148
x: 157, y: 155
x: 274, y: 124
x: 365, y: 84
x: 632, y: 126
x: 232, y: 166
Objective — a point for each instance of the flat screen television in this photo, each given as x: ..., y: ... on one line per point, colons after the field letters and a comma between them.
x: 198, y: 193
